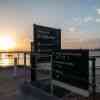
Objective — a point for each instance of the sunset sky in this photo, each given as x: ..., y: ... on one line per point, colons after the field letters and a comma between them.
x: 79, y: 20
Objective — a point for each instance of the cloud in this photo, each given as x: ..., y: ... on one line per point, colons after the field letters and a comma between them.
x: 83, y: 20
x: 98, y: 11
x: 98, y: 20
x: 77, y: 20
x: 72, y: 29
x: 88, y: 19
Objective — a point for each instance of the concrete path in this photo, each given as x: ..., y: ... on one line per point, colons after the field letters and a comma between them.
x: 28, y: 92
x: 12, y: 88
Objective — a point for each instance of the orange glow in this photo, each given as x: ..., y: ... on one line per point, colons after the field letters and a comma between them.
x: 7, y: 42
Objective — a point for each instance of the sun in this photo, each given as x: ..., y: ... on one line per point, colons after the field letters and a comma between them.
x: 7, y: 42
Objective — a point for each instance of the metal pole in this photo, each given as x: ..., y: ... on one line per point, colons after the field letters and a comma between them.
x: 15, y: 66
x: 33, y: 67
x: 93, y: 79
x: 18, y: 58
x: 25, y: 65
x: 51, y: 88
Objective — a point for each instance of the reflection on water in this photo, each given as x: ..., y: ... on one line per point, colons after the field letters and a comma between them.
x: 8, y: 59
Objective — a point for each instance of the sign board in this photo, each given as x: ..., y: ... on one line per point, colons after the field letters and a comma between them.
x: 70, y: 69
x: 46, y: 39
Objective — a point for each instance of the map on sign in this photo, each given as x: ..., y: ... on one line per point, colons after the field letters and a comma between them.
x: 70, y: 69
x: 46, y: 40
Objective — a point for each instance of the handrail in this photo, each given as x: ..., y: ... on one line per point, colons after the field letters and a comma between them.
x: 15, y: 51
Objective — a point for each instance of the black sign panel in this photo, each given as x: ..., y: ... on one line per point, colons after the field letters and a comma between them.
x: 71, y: 67
x: 46, y: 39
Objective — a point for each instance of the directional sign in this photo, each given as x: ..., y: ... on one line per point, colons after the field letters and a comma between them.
x: 70, y: 68
x: 46, y: 40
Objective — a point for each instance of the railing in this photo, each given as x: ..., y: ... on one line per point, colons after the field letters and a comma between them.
x: 16, y: 64
x: 7, y: 58
x: 18, y: 55
x: 96, y: 54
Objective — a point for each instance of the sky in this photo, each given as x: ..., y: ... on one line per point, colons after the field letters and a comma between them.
x: 79, y: 20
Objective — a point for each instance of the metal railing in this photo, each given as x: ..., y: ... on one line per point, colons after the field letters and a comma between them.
x: 96, y: 55
x: 24, y: 54
x: 16, y: 63
x: 9, y: 56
